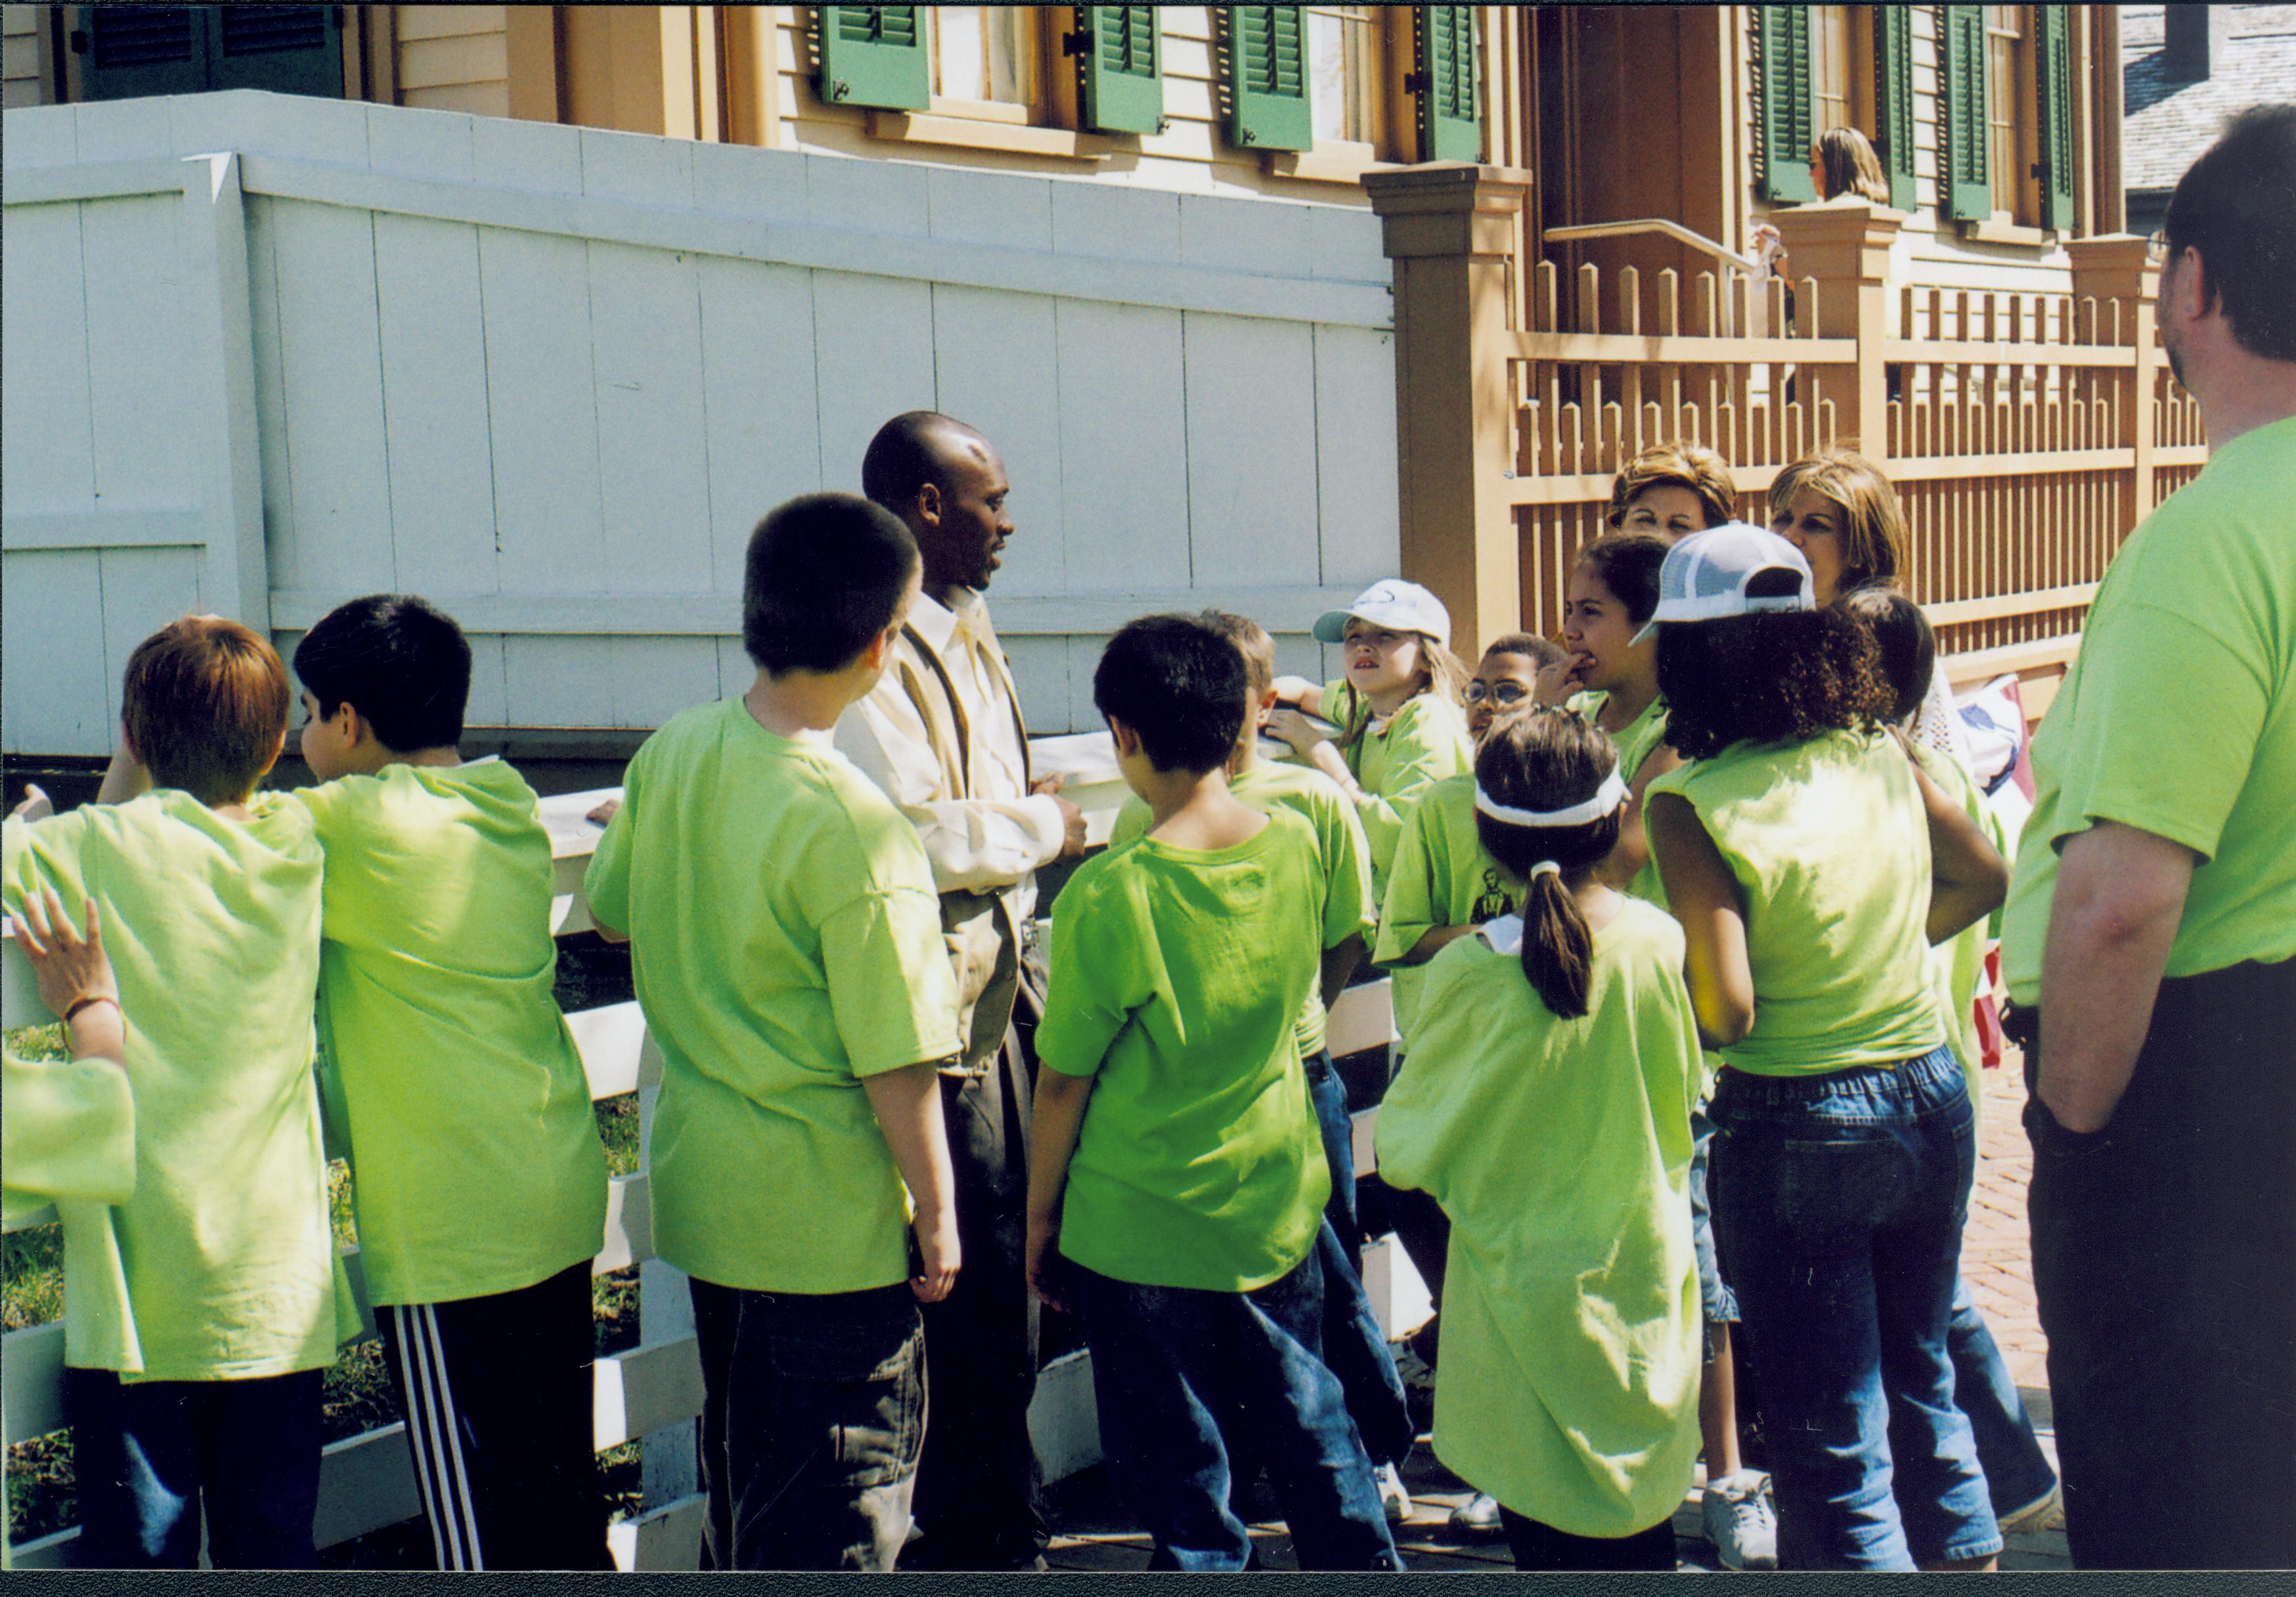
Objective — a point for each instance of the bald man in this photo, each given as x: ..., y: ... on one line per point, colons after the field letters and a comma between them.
x: 942, y: 734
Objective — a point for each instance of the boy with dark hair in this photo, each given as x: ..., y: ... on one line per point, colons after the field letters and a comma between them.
x: 1176, y: 1180
x: 479, y: 1182
x: 204, y: 1394
x: 787, y: 945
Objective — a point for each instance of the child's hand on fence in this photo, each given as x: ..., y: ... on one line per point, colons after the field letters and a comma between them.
x: 938, y: 1255
x: 606, y: 810
x: 1293, y: 728
x: 1045, y: 1263
x: 37, y: 804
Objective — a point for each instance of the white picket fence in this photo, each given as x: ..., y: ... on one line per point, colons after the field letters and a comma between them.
x: 651, y: 1391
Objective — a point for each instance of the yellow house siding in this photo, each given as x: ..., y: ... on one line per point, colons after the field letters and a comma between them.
x: 453, y: 58
x: 23, y: 55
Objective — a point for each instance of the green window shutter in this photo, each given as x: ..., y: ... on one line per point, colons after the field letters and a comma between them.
x: 1122, y: 76
x: 1893, y: 100
x: 125, y: 51
x: 1789, y: 101
x: 1447, y: 83
x: 1268, y: 78
x: 874, y: 55
x: 2052, y: 66
x: 288, y: 49
x: 1964, y: 177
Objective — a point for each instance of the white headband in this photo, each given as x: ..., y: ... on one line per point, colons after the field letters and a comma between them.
x: 1608, y: 797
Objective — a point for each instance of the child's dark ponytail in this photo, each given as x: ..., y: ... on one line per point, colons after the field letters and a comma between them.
x: 1545, y: 760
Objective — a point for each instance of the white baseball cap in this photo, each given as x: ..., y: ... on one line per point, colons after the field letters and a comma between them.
x: 1706, y: 575
x: 1395, y: 604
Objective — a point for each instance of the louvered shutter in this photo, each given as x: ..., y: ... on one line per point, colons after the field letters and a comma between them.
x: 1122, y: 82
x: 1893, y: 100
x: 130, y: 50
x: 1450, y: 93
x: 874, y: 55
x: 1789, y: 101
x: 1964, y: 177
x: 288, y: 49
x: 1268, y: 78
x: 2053, y: 68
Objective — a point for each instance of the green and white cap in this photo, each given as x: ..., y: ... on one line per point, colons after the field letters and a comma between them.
x: 1713, y: 574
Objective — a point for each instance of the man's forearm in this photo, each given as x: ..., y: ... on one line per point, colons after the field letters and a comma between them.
x: 1057, y: 1120
x: 2120, y: 895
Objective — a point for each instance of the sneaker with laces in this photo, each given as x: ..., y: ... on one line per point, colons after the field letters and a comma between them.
x: 1739, y: 1520
x: 1394, y: 1496
x: 1478, y: 1516
x: 1417, y: 1373
x: 2029, y: 1517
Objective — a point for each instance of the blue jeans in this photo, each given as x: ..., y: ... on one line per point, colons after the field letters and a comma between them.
x: 1715, y: 1301
x: 1355, y: 1347
x: 1839, y: 1201
x: 1179, y: 1373
x: 2017, y: 1472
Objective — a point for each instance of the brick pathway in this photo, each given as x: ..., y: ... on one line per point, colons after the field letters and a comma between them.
x: 1996, y: 1249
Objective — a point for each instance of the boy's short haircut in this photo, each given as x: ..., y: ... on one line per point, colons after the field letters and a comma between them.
x: 401, y: 662
x: 1544, y: 651
x: 1177, y: 684
x: 1902, y: 634
x: 825, y: 574
x: 1252, y: 642
x: 204, y: 701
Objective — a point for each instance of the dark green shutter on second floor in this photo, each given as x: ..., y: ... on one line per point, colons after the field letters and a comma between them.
x: 874, y: 55
x: 1964, y: 173
x: 128, y: 51
x: 1893, y: 102
x: 1449, y: 88
x: 2053, y: 71
x: 1122, y: 79
x: 1268, y: 78
x: 1789, y: 102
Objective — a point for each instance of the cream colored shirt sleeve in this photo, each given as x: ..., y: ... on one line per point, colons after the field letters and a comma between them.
x: 977, y: 846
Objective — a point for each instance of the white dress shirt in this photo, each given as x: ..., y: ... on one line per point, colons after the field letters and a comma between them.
x: 996, y: 839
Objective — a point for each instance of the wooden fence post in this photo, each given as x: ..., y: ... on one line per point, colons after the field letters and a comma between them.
x: 2119, y: 266
x: 1452, y: 230
x: 1845, y: 250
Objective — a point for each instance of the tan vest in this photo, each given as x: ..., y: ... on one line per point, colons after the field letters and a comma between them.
x: 983, y: 938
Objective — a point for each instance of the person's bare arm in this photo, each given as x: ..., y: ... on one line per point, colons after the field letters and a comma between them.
x: 1631, y: 853
x: 1057, y: 1123
x: 1968, y: 876
x: 1432, y: 941
x: 907, y: 1106
x: 1339, y: 964
x: 2120, y: 895
x: 1703, y: 896
x: 72, y: 970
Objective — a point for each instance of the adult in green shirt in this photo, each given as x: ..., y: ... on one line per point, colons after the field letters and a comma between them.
x: 2152, y: 923
x: 477, y: 1181
x: 208, y: 894
x: 786, y: 942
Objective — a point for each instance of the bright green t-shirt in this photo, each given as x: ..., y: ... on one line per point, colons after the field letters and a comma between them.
x: 1830, y: 846
x: 787, y: 943
x: 1268, y: 786
x: 1636, y: 742
x: 1442, y: 876
x: 475, y: 1153
x: 213, y: 930
x: 1423, y: 742
x: 1177, y: 976
x: 1560, y: 1151
x: 2179, y: 717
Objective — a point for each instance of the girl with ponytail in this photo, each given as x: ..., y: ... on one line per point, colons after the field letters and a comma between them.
x: 1546, y: 1107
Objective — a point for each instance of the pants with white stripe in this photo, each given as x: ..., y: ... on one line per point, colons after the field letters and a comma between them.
x: 496, y: 1392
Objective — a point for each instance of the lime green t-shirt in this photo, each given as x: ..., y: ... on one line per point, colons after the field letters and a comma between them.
x: 1176, y: 980
x: 1423, y: 742
x: 1268, y: 786
x: 213, y: 930
x: 2179, y: 717
x: 1636, y: 742
x: 1830, y: 847
x: 475, y: 1160
x: 70, y: 1132
x: 1442, y: 876
x: 1560, y: 1151
x: 787, y: 943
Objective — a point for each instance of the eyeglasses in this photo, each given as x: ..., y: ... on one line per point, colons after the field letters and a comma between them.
x: 1498, y: 693
x: 2156, y: 248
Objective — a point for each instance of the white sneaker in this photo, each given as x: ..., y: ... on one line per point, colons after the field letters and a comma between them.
x: 1417, y: 1373
x: 1394, y: 1496
x: 1478, y: 1516
x: 1738, y: 1519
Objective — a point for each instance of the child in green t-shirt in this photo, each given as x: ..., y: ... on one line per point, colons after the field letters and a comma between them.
x: 787, y: 944
x: 477, y: 1180
x: 208, y: 896
x: 1177, y: 1180
x: 1547, y: 1110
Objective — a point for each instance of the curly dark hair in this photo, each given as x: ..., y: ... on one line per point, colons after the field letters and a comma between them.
x: 1773, y: 676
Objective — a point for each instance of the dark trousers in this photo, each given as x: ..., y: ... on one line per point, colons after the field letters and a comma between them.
x: 979, y: 1489
x: 1355, y: 1347
x: 2164, y: 1255
x: 813, y: 1411
x: 496, y: 1392
x: 147, y: 1455
x: 1540, y: 1547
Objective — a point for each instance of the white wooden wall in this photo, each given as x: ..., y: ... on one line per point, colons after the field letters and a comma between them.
x: 550, y: 377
